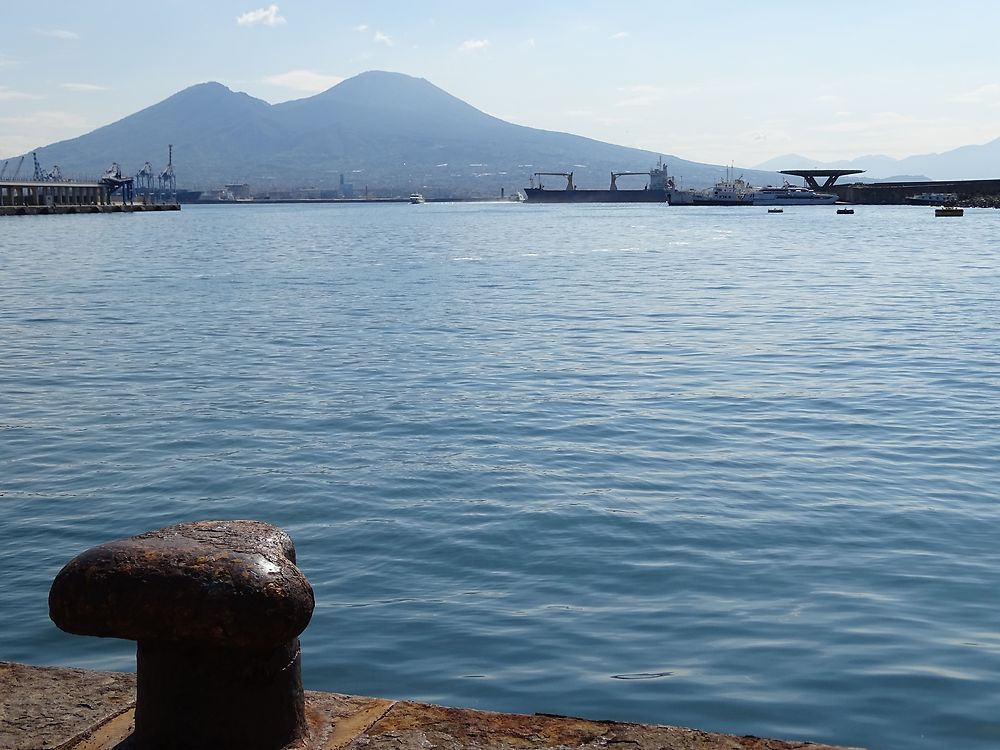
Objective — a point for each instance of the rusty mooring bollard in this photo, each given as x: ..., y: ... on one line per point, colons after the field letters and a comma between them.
x: 216, y: 608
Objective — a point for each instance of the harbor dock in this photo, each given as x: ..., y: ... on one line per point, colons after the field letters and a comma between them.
x: 47, y: 708
x: 45, y: 197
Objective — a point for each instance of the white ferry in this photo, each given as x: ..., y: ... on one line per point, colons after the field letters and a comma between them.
x: 789, y: 195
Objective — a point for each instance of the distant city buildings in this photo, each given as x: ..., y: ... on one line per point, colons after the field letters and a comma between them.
x: 346, y: 188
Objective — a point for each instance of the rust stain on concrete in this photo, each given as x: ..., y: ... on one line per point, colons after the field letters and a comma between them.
x: 46, y: 708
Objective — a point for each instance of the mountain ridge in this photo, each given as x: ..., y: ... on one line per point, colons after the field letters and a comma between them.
x: 389, y: 131
x: 969, y: 162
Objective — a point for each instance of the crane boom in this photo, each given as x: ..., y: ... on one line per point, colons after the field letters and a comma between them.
x: 616, y: 175
x: 567, y: 175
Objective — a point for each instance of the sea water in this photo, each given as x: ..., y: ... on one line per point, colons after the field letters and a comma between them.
x: 708, y: 466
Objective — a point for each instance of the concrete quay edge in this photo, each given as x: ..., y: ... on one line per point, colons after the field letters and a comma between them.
x: 108, y: 208
x: 57, y: 708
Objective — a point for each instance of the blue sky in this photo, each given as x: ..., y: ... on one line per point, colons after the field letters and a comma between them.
x: 716, y: 82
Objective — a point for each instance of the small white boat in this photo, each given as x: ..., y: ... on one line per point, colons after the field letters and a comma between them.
x: 417, y: 198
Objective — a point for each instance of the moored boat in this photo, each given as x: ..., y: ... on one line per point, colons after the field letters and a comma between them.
x: 737, y: 192
x: 949, y: 211
x: 790, y: 195
x: 728, y: 192
x: 932, y: 199
x: 417, y: 198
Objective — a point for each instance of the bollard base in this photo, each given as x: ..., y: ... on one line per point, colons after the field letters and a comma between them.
x: 208, y: 698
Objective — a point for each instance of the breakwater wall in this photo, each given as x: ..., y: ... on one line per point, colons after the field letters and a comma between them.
x: 106, y: 208
x: 889, y: 193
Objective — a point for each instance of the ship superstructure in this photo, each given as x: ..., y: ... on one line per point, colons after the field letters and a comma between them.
x: 737, y: 192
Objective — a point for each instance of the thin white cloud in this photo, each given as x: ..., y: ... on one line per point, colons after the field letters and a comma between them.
x: 531, y: 42
x: 25, y: 132
x: 473, y: 45
x: 641, y: 88
x: 48, y: 119
x: 361, y: 27
x: 642, y: 96
x: 9, y: 94
x: 58, y: 33
x: 619, y: 35
x: 883, y: 122
x: 268, y: 16
x: 6, y: 62
x: 988, y: 93
x: 639, y: 101
x: 894, y: 134
x: 304, y: 80
x: 382, y: 38
x: 84, y: 87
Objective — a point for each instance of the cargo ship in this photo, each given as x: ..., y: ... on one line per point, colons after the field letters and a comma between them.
x: 655, y: 190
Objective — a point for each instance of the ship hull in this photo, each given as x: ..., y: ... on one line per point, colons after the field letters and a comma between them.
x: 538, y: 195
x: 816, y: 199
x: 713, y: 202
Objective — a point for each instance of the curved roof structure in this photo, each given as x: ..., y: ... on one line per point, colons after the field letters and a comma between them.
x: 810, y: 175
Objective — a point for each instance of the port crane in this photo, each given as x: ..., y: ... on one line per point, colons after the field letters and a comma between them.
x: 39, y: 175
x: 18, y: 170
x: 144, y: 177
x: 616, y: 175
x: 114, y: 180
x: 167, y: 179
x: 145, y: 181
x: 567, y: 175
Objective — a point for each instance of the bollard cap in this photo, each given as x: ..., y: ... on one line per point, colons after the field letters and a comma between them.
x: 226, y: 583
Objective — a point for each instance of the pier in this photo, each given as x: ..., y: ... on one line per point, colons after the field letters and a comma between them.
x: 41, y: 197
x: 75, y: 709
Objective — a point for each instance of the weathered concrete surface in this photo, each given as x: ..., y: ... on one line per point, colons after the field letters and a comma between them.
x: 45, y: 708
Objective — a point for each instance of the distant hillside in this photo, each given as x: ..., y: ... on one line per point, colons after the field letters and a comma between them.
x: 966, y: 163
x: 388, y: 131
